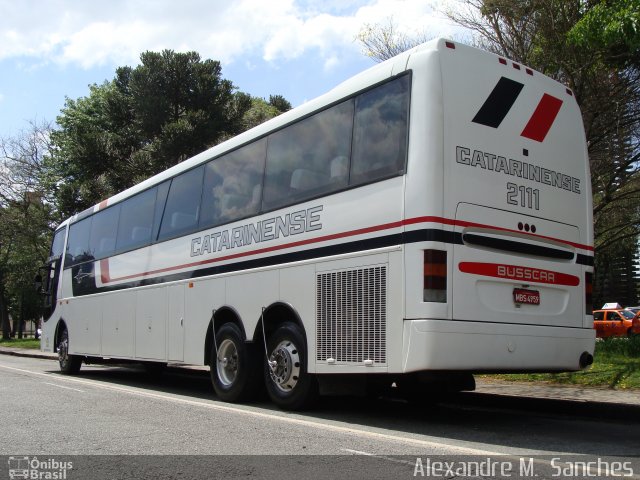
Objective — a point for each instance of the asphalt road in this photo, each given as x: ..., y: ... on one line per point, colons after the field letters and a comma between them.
x: 119, y: 411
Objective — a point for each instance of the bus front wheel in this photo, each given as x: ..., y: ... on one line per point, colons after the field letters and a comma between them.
x: 288, y: 383
x: 69, y: 364
x: 235, y: 370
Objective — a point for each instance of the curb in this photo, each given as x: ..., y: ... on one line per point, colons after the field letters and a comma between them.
x: 26, y: 352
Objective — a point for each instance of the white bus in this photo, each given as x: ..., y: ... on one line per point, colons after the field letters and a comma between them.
x: 429, y: 218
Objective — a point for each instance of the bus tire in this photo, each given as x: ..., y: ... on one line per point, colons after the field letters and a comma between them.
x: 288, y: 384
x: 235, y: 368
x: 69, y: 364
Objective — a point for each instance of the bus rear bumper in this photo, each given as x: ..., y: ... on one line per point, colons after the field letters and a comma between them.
x: 493, y: 347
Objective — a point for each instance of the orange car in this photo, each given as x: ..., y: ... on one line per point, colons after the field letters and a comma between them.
x: 616, y: 323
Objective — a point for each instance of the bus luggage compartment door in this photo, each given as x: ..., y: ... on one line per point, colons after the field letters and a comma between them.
x: 514, y: 268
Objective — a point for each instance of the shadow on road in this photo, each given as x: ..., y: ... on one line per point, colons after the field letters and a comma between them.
x: 493, y: 420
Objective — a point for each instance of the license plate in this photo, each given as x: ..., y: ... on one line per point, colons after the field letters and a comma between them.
x: 527, y: 297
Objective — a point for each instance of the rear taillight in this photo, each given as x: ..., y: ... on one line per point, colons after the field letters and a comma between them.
x: 435, y: 276
x: 588, y: 290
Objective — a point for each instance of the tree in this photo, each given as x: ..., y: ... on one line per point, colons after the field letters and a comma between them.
x: 611, y: 28
x: 280, y: 103
x: 26, y: 223
x: 148, y: 118
x: 261, y: 111
x: 385, y: 40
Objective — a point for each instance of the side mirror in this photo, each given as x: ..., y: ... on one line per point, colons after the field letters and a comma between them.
x: 38, y: 283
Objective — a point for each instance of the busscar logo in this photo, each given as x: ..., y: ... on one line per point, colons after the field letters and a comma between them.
x: 36, y: 469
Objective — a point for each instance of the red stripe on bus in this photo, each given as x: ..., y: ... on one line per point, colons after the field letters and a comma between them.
x: 334, y: 236
x: 519, y: 273
x: 104, y: 271
x: 103, y: 204
x: 543, y: 117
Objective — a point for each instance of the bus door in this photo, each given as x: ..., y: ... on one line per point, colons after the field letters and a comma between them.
x: 53, y: 269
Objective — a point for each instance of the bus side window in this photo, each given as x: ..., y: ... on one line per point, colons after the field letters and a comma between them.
x: 102, y: 241
x: 78, y: 243
x: 380, y: 132
x: 136, y: 221
x: 233, y: 185
x: 300, y: 157
x: 183, y: 204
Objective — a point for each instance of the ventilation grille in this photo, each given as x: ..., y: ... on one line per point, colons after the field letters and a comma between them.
x: 351, y: 316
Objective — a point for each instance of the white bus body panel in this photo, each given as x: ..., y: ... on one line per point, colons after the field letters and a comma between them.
x: 480, y: 326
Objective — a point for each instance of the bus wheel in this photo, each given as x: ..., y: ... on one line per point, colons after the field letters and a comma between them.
x: 69, y: 364
x: 235, y: 370
x: 288, y: 383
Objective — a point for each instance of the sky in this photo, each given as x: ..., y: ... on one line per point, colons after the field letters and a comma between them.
x: 51, y: 50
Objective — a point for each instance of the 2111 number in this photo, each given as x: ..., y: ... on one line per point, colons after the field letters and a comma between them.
x: 524, y: 196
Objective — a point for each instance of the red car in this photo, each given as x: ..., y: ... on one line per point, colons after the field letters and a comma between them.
x: 616, y: 323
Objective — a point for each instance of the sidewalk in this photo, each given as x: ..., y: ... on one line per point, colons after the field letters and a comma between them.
x: 526, y: 390
x: 28, y: 352
x: 573, y: 393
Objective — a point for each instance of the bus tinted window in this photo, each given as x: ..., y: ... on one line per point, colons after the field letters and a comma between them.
x: 233, y: 185
x: 183, y: 204
x: 78, y: 243
x: 161, y: 200
x: 309, y: 158
x: 380, y: 131
x: 58, y: 243
x: 136, y: 221
x: 102, y: 241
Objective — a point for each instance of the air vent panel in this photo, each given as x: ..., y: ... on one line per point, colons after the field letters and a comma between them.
x: 351, y: 316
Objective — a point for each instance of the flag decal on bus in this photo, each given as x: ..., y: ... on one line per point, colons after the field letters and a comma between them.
x: 543, y: 117
x: 498, y: 103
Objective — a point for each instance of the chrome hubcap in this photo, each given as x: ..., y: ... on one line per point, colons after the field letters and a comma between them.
x: 227, y: 362
x: 285, y: 366
x: 63, y: 349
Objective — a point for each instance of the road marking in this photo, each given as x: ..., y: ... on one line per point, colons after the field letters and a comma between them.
x: 381, y: 457
x: 284, y: 417
x: 66, y: 388
x: 460, y: 450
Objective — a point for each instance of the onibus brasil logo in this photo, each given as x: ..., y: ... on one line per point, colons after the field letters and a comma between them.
x: 35, y: 469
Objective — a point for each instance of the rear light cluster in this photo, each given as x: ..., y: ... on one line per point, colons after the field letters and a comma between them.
x: 588, y: 291
x: 435, y: 276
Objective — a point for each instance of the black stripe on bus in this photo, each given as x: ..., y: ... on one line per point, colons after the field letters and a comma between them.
x: 584, y: 260
x: 87, y: 285
x: 498, y: 103
x: 517, y: 247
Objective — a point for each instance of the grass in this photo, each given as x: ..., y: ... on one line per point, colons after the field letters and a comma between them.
x: 20, y: 343
x: 616, y: 365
